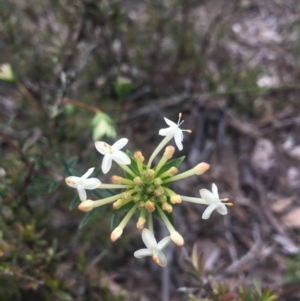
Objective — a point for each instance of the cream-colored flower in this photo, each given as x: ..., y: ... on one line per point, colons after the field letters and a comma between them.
x: 112, y: 152
x: 154, y: 249
x: 82, y: 183
x: 213, y: 201
x: 174, y: 130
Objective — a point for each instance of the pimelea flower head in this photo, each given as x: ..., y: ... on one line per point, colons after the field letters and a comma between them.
x: 146, y: 190
x: 82, y: 183
x: 112, y: 152
x: 154, y: 249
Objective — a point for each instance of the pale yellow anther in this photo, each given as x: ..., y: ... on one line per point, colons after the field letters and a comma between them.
x: 86, y: 206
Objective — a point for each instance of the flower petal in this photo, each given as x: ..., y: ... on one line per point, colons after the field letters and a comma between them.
x: 207, y: 195
x: 88, y: 173
x: 119, y: 144
x: 206, y: 214
x: 222, y: 209
x: 214, y: 190
x: 170, y: 123
x: 120, y: 157
x: 73, y: 181
x: 149, y: 239
x: 178, y: 139
x: 162, y: 259
x: 91, y: 183
x: 102, y: 147
x: 142, y: 253
x: 166, y: 131
x: 82, y: 193
x: 106, y: 163
x: 163, y: 243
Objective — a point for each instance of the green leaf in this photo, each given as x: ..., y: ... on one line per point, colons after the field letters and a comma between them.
x: 115, y: 220
x: 116, y: 214
x: 66, y: 164
x: 123, y: 86
x: 257, y: 287
x: 133, y: 166
x: 53, y: 186
x: 75, y: 202
x: 170, y: 216
x: 103, y: 193
x: 169, y: 164
x: 87, y: 218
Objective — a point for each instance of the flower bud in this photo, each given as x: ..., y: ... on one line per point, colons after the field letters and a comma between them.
x: 159, y: 191
x: 157, y: 181
x: 138, y: 181
x: 126, y: 196
x: 138, y: 156
x: 201, y: 168
x: 173, y: 170
x: 86, y: 206
x: 118, y: 204
x: 150, y: 173
x: 150, y: 206
x: 116, y: 179
x: 177, y: 238
x: 163, y: 198
x: 116, y: 234
x: 176, y: 199
x: 169, y: 152
x: 141, y: 222
x: 167, y: 207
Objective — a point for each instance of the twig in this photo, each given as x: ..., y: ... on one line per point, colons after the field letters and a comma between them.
x: 25, y: 92
x: 80, y: 104
x: 249, y: 256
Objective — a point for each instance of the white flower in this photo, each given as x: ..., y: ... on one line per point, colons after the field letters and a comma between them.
x: 175, y: 131
x: 82, y: 183
x: 214, y: 202
x: 112, y: 152
x: 154, y: 249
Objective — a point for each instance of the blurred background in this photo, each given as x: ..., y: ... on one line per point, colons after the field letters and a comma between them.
x: 78, y: 71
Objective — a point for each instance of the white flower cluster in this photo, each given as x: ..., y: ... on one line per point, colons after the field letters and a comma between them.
x: 146, y: 189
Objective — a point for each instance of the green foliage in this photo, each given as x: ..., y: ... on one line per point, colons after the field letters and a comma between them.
x: 220, y: 291
x: 123, y: 86
x: 293, y: 269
